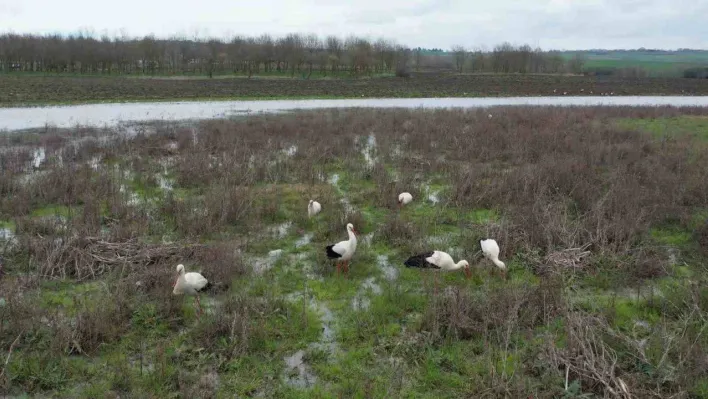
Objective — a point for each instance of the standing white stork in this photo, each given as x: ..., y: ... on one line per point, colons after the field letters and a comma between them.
x: 490, y: 249
x: 189, y: 284
x: 438, y: 260
x: 313, y: 208
x: 404, y: 199
x: 343, y: 250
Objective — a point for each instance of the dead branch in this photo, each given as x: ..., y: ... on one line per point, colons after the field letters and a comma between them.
x: 588, y: 356
x: 89, y: 257
x: 571, y: 258
x: 9, y: 353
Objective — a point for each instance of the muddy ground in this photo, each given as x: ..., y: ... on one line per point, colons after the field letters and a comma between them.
x: 51, y: 90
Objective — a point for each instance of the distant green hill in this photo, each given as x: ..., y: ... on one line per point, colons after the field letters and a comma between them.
x: 655, y: 62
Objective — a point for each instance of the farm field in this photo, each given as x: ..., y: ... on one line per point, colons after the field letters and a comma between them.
x: 46, y: 90
x: 656, y: 63
x: 601, y: 215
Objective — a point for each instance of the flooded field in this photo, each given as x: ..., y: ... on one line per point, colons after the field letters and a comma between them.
x: 108, y: 115
x: 599, y: 212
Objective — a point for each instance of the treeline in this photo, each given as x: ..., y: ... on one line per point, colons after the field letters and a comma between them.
x: 293, y: 53
x: 506, y: 58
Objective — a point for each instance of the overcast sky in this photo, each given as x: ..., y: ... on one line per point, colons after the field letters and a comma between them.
x: 550, y: 24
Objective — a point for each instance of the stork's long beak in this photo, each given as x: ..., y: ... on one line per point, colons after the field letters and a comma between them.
x: 468, y: 273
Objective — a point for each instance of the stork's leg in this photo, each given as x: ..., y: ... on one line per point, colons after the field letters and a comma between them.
x: 346, y: 267
x: 196, y: 304
x: 338, y: 268
x: 199, y: 304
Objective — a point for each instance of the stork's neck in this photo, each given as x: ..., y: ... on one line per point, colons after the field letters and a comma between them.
x: 352, y: 236
x: 458, y: 265
x: 499, y: 263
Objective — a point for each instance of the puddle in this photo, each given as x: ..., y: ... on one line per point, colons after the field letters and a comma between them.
x: 290, y: 151
x: 133, y: 198
x: 263, y: 264
x: 369, y: 150
x: 367, y: 238
x: 645, y: 292
x: 282, y: 229
x: 327, y: 341
x: 209, y: 304
x: 348, y: 208
x: 370, y: 284
x: 334, y: 180
x: 6, y: 234
x: 304, y: 240
x: 433, y: 196
x: 673, y: 257
x: 172, y: 146
x: 390, y: 272
x: 361, y: 301
x: 95, y: 162
x: 297, y: 373
x: 38, y: 157
x: 164, y: 183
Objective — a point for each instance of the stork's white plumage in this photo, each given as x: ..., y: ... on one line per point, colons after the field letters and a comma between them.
x: 313, y: 208
x: 438, y: 260
x: 490, y: 249
x: 343, y: 250
x: 189, y: 284
x: 404, y: 198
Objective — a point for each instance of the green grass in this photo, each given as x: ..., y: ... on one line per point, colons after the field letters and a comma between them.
x: 54, y: 210
x: 655, y: 63
x: 695, y: 126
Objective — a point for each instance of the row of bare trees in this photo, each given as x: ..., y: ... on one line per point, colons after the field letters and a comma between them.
x: 506, y: 58
x: 293, y: 53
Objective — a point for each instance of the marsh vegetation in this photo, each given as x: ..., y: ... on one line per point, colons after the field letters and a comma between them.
x: 600, y: 214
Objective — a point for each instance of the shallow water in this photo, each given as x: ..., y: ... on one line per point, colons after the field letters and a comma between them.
x: 304, y: 240
x: 389, y: 271
x: 265, y: 263
x: 38, y: 157
x: 297, y: 373
x: 115, y: 113
x: 6, y: 234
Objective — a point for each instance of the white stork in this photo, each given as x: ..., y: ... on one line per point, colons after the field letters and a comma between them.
x: 404, y: 199
x: 438, y: 260
x: 189, y: 284
x: 343, y: 250
x: 313, y: 208
x: 490, y: 249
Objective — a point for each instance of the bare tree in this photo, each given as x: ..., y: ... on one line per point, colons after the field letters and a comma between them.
x: 460, y: 55
x: 84, y: 52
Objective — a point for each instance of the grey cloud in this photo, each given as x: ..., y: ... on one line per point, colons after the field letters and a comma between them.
x: 563, y: 24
